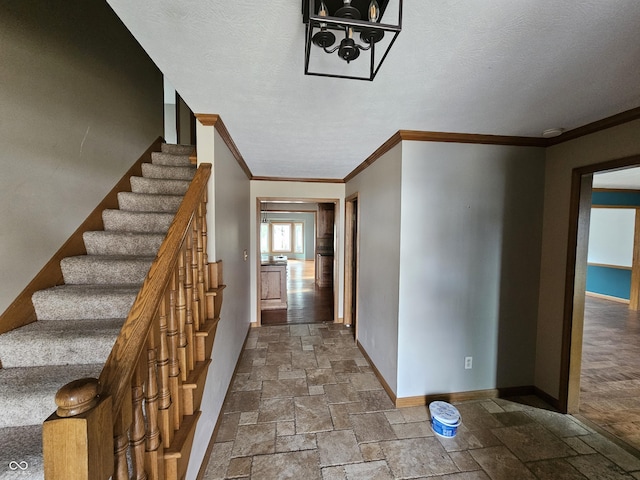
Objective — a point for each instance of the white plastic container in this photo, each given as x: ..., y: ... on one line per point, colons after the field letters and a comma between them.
x: 445, y: 419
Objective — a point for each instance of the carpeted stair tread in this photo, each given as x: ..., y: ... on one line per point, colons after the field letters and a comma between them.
x: 105, y: 269
x: 159, y: 186
x: 147, y: 202
x: 22, y: 445
x: 150, y: 170
x: 27, y: 396
x: 177, y: 149
x: 59, y: 343
x: 123, y: 243
x: 150, y: 222
x: 68, y: 302
x: 168, y: 158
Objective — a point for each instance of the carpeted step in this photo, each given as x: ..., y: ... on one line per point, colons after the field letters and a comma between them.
x: 147, y: 202
x: 59, y: 343
x: 27, y: 396
x: 174, y: 159
x: 177, y: 149
x: 162, y: 186
x: 105, y: 269
x: 68, y: 302
x: 123, y: 243
x: 22, y: 445
x: 150, y: 222
x: 150, y: 170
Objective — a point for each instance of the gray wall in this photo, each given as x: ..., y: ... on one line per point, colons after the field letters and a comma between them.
x: 80, y: 101
x: 379, y: 192
x: 450, y: 240
x: 229, y: 207
x: 612, y: 143
x: 469, y: 266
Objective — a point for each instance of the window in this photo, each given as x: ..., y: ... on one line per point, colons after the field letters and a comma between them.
x: 264, y: 238
x: 282, y: 237
x: 298, y: 238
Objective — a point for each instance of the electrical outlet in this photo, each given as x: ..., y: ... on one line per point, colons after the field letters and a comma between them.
x: 468, y: 363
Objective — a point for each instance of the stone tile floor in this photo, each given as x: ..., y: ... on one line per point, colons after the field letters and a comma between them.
x: 305, y: 404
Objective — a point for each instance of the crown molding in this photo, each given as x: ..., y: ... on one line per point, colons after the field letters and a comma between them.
x: 447, y: 137
x: 293, y: 179
x: 593, y: 127
x: 214, y: 120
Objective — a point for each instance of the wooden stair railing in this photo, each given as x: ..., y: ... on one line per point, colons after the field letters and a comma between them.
x: 138, y: 419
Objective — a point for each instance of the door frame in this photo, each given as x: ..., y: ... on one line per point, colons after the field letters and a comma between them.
x: 336, y: 248
x: 349, y: 272
x: 575, y: 278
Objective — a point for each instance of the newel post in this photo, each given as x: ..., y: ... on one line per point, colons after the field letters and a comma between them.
x: 78, y: 438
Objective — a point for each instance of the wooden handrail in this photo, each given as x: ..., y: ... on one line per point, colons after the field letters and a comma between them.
x: 116, y: 375
x: 140, y: 415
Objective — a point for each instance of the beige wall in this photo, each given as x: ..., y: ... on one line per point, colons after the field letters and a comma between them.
x: 610, y: 144
x: 312, y: 192
x: 80, y: 101
x: 379, y: 213
x: 228, y: 238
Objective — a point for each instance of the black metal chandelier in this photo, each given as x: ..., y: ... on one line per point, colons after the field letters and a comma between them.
x: 337, y: 31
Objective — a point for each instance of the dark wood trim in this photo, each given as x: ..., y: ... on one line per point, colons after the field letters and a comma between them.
x: 377, y: 373
x: 579, y: 210
x: 606, y: 265
x: 293, y: 179
x: 214, y: 120
x: 453, y: 397
x: 21, y: 311
x: 415, y: 135
x: 449, y: 137
x: 615, y: 190
x: 216, y: 428
x: 444, y: 137
x: 382, y: 149
x: 546, y: 397
x: 593, y: 127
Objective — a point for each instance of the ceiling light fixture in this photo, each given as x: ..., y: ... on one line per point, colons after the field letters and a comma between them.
x: 552, y: 132
x: 344, y: 19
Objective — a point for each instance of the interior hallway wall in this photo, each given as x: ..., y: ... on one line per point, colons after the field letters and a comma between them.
x: 81, y: 101
x: 612, y: 143
x: 469, y: 266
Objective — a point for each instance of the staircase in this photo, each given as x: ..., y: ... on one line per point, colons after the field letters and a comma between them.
x: 79, y: 321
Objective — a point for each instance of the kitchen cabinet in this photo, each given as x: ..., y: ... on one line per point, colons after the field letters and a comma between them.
x: 273, y: 285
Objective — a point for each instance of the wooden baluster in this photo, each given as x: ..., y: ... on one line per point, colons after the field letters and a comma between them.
x: 195, y: 303
x: 181, y: 311
x: 120, y: 446
x: 202, y: 262
x: 164, y: 394
x: 137, y: 429
x: 174, y: 361
x: 188, y: 295
x: 154, y: 459
x: 205, y: 258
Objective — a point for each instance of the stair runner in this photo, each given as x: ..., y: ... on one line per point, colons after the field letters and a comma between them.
x: 78, y: 322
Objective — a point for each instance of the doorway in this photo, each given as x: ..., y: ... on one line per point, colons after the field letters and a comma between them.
x: 575, y: 287
x: 351, y: 263
x: 296, y: 238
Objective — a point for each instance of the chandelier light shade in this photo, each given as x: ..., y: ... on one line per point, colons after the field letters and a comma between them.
x: 349, y: 38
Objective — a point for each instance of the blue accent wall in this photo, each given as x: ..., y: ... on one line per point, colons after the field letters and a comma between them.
x: 615, y: 282
x: 616, y: 199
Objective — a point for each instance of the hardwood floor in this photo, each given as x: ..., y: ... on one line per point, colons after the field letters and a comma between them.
x: 307, y: 302
x: 610, y: 375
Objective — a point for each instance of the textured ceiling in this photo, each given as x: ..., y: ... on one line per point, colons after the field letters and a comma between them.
x: 504, y: 67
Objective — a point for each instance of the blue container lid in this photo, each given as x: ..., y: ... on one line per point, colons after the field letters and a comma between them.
x: 445, y: 413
